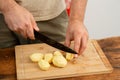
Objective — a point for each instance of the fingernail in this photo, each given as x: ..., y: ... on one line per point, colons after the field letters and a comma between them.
x: 76, y: 55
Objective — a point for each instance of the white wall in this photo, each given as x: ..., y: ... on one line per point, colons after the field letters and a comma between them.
x: 102, y: 18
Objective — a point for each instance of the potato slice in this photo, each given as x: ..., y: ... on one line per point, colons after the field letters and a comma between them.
x: 48, y: 57
x: 35, y: 57
x: 59, y: 60
x: 56, y: 53
x: 44, y: 65
x: 69, y: 56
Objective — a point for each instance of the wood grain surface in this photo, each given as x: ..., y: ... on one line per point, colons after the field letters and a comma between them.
x: 92, y: 61
x: 110, y: 46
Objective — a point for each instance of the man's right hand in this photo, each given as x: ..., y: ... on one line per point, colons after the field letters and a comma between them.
x: 20, y: 20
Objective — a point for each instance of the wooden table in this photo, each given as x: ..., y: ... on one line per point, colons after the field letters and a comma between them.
x: 110, y: 46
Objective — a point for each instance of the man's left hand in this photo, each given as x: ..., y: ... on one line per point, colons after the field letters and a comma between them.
x: 76, y: 31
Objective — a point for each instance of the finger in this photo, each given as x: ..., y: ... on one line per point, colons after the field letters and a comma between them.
x: 20, y: 31
x: 30, y: 32
x: 76, y: 55
x: 23, y: 33
x: 77, y: 43
x: 83, y: 44
x: 67, y: 40
x: 34, y: 24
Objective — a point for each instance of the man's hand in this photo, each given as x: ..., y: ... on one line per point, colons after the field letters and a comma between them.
x: 76, y: 31
x: 20, y: 20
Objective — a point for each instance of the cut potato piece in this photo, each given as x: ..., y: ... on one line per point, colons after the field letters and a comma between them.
x: 35, y: 57
x: 56, y: 53
x: 69, y: 56
x: 44, y: 65
x: 59, y: 60
x: 48, y: 57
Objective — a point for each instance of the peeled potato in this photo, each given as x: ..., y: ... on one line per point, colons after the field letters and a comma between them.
x: 35, y: 57
x: 48, y: 57
x: 69, y: 56
x: 44, y: 65
x: 59, y: 60
x: 56, y: 53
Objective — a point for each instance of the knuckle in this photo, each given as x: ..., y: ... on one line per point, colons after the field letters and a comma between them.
x: 21, y: 28
x: 15, y: 29
x: 26, y: 24
x: 79, y: 32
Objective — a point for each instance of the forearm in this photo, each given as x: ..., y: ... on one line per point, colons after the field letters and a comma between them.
x: 6, y: 5
x: 78, y: 10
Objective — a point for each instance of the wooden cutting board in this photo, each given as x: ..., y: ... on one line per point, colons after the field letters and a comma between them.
x: 92, y: 61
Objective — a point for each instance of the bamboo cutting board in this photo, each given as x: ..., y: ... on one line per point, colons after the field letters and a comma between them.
x: 92, y: 61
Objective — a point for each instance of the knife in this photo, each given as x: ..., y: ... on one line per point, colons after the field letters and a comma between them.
x: 52, y: 42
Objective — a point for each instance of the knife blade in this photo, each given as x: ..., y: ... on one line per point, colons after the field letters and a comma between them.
x: 52, y: 42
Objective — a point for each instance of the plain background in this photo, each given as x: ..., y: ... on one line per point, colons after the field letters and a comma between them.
x: 102, y: 18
